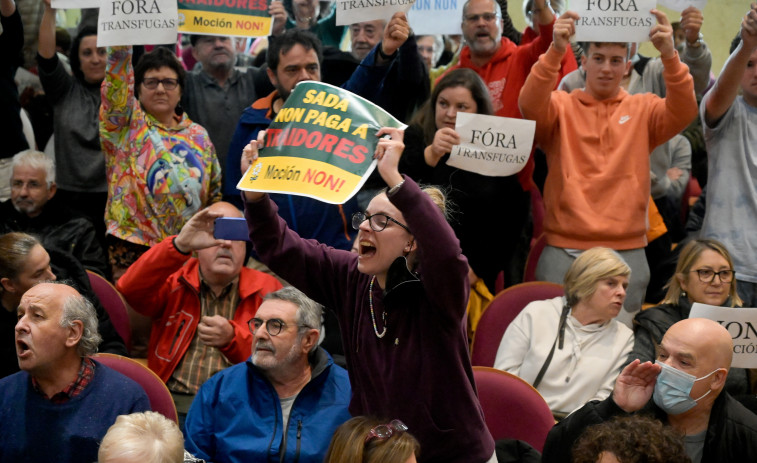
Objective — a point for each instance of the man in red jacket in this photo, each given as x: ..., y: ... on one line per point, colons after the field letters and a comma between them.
x: 200, y: 305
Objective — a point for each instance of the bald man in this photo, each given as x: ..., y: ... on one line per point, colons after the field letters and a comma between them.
x: 683, y: 388
x: 199, y: 305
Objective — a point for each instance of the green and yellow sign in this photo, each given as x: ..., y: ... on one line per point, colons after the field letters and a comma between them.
x: 243, y: 18
x: 319, y: 145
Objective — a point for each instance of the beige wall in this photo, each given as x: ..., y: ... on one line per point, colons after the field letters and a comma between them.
x: 722, y: 19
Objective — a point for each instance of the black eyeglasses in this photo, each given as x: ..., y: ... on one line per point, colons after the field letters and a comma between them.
x: 151, y: 83
x: 708, y: 276
x: 274, y: 326
x: 377, y: 222
x: 385, y: 431
x: 488, y: 17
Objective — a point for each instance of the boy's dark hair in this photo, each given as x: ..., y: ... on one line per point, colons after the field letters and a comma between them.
x: 735, y: 43
x: 290, y: 38
x: 159, y: 57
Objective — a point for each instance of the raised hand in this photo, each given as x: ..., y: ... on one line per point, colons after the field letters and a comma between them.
x: 197, y: 233
x: 444, y: 139
x: 661, y: 35
x: 635, y: 385
x: 395, y: 33
x: 249, y: 156
x: 388, y: 153
x: 563, y: 30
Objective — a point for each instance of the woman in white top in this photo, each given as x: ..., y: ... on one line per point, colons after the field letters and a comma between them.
x: 571, y: 348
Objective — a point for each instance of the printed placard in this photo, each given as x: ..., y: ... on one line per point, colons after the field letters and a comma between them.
x: 680, y: 5
x: 615, y: 20
x: 741, y: 324
x: 436, y: 16
x: 240, y: 18
x: 355, y: 11
x: 320, y: 145
x: 492, y: 146
x: 74, y: 4
x: 136, y: 22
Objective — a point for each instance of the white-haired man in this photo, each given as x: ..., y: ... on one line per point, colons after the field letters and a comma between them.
x: 59, y: 407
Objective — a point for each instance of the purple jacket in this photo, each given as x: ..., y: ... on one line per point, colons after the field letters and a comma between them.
x: 420, y: 371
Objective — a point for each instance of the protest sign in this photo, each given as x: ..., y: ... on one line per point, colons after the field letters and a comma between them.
x: 355, y: 11
x: 741, y: 324
x: 74, y: 4
x: 320, y: 145
x: 436, y: 16
x: 492, y: 146
x: 680, y: 5
x: 242, y: 18
x: 136, y: 22
x: 616, y: 20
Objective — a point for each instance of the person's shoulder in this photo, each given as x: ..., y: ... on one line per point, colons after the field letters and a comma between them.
x: 11, y: 382
x: 737, y: 415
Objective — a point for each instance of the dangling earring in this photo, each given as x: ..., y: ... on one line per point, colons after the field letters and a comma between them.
x: 683, y: 293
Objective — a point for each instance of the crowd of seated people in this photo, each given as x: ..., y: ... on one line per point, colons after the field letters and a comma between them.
x: 146, y: 152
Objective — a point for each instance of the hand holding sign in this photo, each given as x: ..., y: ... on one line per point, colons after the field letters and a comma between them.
x: 249, y: 156
x: 444, y: 139
x: 749, y: 28
x: 279, y: 14
x: 563, y: 30
x: 661, y: 35
x: 388, y: 153
x: 395, y: 33
x: 691, y: 23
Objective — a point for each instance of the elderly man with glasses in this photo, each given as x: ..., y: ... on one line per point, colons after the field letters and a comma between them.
x: 284, y: 403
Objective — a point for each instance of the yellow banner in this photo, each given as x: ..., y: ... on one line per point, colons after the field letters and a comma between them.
x: 301, y: 176
x: 212, y: 23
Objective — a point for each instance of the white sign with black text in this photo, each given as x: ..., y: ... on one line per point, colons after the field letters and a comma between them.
x: 492, y: 146
x: 623, y: 20
x: 137, y: 22
x: 741, y: 323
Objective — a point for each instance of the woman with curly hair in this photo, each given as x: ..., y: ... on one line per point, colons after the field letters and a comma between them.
x: 630, y: 439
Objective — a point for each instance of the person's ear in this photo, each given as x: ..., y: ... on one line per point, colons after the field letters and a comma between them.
x: 75, y: 333
x: 681, y: 281
x: 7, y: 285
x: 583, y: 60
x: 310, y: 339
x: 719, y: 378
x: 410, y: 246
x: 51, y: 191
x: 272, y: 76
x: 628, y: 67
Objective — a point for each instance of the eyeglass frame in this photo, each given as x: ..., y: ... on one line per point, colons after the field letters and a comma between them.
x: 282, y: 326
x: 168, y: 83
x: 359, y: 217
x: 714, y: 273
x: 473, y: 18
x: 394, y: 426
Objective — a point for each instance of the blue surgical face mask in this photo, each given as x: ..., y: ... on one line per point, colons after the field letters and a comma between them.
x: 671, y: 392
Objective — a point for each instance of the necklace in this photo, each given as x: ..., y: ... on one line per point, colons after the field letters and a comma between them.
x: 373, y: 317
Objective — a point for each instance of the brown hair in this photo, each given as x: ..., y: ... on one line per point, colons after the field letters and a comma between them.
x: 14, y: 249
x: 632, y: 439
x: 348, y: 444
x: 686, y: 260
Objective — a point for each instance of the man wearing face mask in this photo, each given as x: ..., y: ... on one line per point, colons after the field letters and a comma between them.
x: 683, y: 388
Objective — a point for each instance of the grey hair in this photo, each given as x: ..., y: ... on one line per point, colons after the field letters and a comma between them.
x: 309, y: 312
x: 497, y: 8
x: 78, y: 308
x: 558, y: 6
x: 36, y: 160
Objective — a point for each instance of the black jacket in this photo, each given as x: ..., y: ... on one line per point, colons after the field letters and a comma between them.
x: 731, y: 432
x: 58, y: 227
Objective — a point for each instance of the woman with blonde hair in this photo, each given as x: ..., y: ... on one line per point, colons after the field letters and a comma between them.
x: 369, y: 440
x: 571, y: 348
x: 704, y: 274
x: 146, y: 437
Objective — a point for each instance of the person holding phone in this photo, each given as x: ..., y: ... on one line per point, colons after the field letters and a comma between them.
x: 199, y: 305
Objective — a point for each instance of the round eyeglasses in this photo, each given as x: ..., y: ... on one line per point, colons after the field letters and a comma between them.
x: 274, y: 326
x: 708, y: 276
x: 385, y: 431
x: 377, y: 222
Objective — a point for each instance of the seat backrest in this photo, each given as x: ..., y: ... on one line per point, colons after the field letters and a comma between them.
x: 537, y: 247
x: 159, y: 395
x: 501, y: 312
x: 512, y: 408
x: 114, y: 303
